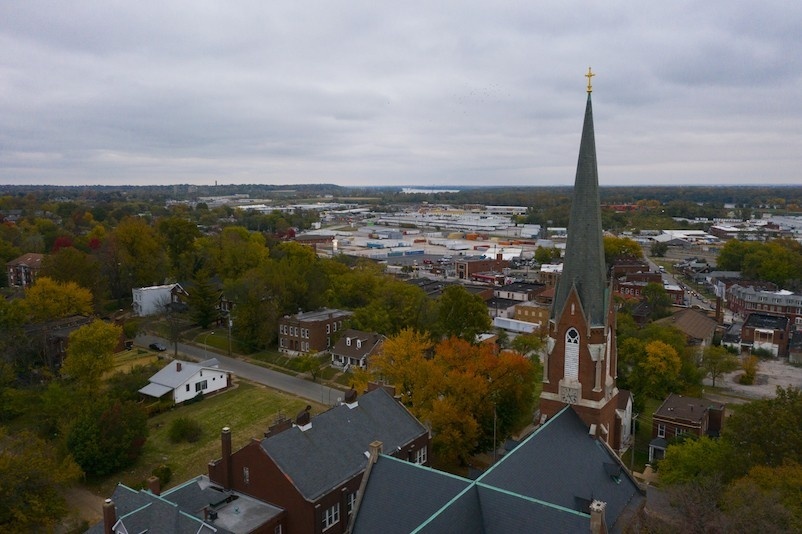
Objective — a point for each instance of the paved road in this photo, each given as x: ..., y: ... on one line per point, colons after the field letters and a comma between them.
x: 280, y: 381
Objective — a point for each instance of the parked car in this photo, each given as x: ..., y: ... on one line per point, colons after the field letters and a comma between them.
x: 159, y: 347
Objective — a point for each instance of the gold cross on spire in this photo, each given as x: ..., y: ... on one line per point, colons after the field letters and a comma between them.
x: 589, y: 75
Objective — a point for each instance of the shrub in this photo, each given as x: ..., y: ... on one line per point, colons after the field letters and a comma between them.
x: 749, y: 365
x: 763, y: 354
x: 164, y: 473
x: 185, y: 429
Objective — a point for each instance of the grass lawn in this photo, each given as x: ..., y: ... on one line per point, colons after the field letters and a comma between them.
x: 247, y: 409
x: 124, y: 361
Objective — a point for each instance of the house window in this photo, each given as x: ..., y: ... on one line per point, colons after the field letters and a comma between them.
x: 351, y: 501
x: 661, y: 430
x: 246, y: 475
x: 277, y: 530
x: 331, y: 516
x: 328, y: 329
x: 335, y: 326
x: 200, y: 386
x: 187, y: 387
x: 421, y: 456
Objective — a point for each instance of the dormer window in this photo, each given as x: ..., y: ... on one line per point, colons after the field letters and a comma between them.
x: 359, y: 343
x: 348, y: 341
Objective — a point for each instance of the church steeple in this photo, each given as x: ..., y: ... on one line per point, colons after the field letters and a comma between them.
x: 584, y: 267
x: 580, y: 364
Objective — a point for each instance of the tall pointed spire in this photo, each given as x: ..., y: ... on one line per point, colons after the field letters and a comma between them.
x: 584, y: 266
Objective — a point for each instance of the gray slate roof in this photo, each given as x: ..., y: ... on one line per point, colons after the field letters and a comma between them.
x: 333, y: 450
x: 584, y: 250
x: 544, y: 485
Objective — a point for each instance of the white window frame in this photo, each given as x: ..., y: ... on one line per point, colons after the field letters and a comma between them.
x: 661, y: 430
x: 351, y: 502
x: 331, y: 516
x: 421, y: 455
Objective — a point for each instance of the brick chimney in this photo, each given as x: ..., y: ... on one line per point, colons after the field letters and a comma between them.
x: 225, y: 438
x: 177, y: 367
x: 304, y: 419
x: 598, y: 524
x: 375, y: 449
x: 109, y: 516
x: 154, y: 485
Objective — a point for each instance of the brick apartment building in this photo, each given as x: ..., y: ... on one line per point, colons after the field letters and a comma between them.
x: 310, y: 331
x: 22, y: 271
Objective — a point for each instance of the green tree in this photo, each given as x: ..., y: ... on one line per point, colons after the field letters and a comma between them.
x: 768, y: 431
x: 461, y: 314
x: 716, y: 361
x: 179, y: 234
x: 90, y: 354
x: 528, y: 344
x: 72, y: 265
x: 546, y: 254
x: 32, y: 479
x: 311, y: 363
x: 395, y: 306
x: 767, y: 499
x: 697, y: 458
x: 203, y: 299
x: 658, y: 250
x: 108, y: 437
x: 658, y: 300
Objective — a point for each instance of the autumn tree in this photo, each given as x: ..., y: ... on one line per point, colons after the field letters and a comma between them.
x: 716, y: 361
x: 47, y: 300
x: 467, y: 393
x: 139, y: 252
x: 90, y: 354
x: 616, y: 248
x: 461, y: 314
x: 402, y: 362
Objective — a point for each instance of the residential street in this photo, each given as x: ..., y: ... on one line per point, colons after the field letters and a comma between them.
x: 273, y: 379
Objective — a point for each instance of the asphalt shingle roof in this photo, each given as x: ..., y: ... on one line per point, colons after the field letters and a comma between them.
x: 333, y: 449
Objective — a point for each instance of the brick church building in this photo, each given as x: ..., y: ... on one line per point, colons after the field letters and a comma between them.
x: 580, y: 366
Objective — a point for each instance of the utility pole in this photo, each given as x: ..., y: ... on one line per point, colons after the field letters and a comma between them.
x: 229, y: 334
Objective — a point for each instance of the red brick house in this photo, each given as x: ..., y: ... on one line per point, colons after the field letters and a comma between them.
x: 683, y: 415
x: 355, y: 347
x: 310, y: 331
x: 312, y: 467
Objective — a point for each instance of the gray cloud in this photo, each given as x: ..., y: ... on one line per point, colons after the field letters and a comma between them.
x: 371, y: 94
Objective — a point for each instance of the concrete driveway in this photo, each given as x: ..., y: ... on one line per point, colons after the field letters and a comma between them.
x: 255, y: 373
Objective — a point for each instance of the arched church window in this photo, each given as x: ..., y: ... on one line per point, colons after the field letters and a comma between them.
x: 572, y: 355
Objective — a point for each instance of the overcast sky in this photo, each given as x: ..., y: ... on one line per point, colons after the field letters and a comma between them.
x: 438, y: 92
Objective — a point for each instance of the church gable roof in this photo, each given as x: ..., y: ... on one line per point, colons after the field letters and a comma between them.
x: 549, y: 480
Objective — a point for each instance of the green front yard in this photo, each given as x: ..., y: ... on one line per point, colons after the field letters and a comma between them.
x: 247, y: 409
